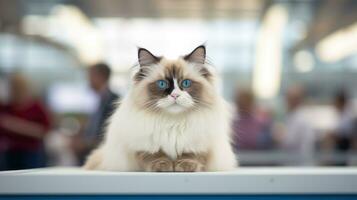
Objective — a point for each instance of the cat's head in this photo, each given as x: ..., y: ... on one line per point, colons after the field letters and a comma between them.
x: 173, y: 86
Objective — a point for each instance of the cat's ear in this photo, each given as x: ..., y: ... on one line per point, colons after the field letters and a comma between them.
x: 146, y: 58
x: 198, y: 55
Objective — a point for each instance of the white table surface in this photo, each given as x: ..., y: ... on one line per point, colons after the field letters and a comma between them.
x: 260, y: 180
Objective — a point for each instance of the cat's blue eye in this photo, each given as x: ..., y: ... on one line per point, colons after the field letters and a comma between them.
x: 162, y: 84
x: 186, y: 83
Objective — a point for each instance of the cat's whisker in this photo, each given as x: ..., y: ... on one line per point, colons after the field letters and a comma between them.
x: 200, y: 103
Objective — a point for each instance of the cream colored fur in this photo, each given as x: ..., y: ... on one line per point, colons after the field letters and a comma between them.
x: 133, y: 129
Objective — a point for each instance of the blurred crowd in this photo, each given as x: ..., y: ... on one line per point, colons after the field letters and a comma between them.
x: 297, y: 136
x: 32, y: 136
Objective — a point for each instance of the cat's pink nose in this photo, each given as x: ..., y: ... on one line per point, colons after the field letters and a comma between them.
x: 174, y: 95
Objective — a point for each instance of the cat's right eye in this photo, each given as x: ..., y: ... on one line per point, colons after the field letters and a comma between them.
x: 162, y: 84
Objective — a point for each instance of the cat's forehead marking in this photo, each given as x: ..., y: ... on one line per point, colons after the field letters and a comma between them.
x: 180, y: 68
x: 173, y: 70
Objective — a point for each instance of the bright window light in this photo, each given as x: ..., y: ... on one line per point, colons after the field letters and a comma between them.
x: 267, y: 69
x: 338, y: 45
x: 304, y: 61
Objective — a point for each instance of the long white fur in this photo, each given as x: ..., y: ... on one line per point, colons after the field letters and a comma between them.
x: 201, y: 131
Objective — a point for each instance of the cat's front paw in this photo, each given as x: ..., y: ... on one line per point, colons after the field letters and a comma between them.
x: 188, y: 165
x: 162, y: 165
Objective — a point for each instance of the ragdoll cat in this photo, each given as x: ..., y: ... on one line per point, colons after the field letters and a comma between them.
x: 172, y: 119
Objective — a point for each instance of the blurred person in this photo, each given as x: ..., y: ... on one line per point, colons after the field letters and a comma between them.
x: 98, y: 76
x: 345, y: 125
x: 3, y: 98
x: 299, y: 137
x: 24, y: 121
x: 354, y: 136
x: 251, y: 129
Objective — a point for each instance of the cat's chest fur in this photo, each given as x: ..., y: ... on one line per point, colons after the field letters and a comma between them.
x: 174, y: 136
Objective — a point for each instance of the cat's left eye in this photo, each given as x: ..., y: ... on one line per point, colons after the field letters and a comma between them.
x: 162, y: 84
x: 186, y: 83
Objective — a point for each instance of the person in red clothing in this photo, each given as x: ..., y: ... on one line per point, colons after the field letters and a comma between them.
x: 24, y: 121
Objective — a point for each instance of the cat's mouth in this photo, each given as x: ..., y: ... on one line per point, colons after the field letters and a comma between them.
x: 175, y: 108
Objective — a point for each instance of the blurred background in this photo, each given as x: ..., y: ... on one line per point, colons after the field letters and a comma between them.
x: 288, y: 67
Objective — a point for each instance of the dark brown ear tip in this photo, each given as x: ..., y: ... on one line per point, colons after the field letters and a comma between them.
x: 140, y: 49
x: 202, y: 46
x: 188, y: 56
x: 148, y: 57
